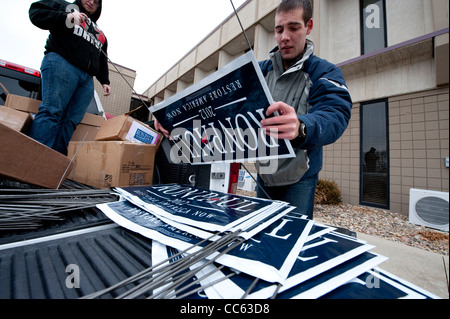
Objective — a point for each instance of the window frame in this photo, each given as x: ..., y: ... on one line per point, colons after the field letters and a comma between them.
x: 388, y: 164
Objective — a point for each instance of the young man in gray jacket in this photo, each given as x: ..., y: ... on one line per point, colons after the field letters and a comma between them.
x: 313, y: 102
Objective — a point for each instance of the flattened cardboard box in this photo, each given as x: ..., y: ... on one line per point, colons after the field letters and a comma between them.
x: 28, y: 161
x: 126, y: 128
x: 21, y: 103
x: 18, y: 121
x: 112, y: 163
x: 89, y: 125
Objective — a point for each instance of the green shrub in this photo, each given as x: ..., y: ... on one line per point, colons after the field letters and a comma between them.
x: 327, y: 193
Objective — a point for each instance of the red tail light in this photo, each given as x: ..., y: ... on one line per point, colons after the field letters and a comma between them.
x: 234, y: 178
x: 19, y: 68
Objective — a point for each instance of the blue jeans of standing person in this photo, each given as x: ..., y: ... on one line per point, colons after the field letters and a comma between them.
x: 301, y: 194
x: 66, y: 94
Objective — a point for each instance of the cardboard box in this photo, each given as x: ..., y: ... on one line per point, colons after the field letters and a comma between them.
x: 126, y: 128
x: 89, y: 125
x: 28, y: 161
x: 105, y: 164
x: 246, y: 182
x: 18, y: 121
x: 21, y: 103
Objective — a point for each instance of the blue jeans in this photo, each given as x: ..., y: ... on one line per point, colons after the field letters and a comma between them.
x: 301, y: 194
x: 66, y: 94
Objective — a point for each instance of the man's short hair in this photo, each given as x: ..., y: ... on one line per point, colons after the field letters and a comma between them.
x: 291, y: 5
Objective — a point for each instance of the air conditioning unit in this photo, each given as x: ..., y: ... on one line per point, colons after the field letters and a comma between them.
x: 428, y: 208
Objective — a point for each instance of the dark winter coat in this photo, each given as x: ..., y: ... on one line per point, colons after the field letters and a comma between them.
x: 82, y: 45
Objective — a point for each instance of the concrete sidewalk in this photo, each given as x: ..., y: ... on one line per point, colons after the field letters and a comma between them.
x: 424, y: 269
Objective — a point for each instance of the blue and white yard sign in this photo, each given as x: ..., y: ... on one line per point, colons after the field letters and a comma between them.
x: 218, y: 119
x: 201, y: 208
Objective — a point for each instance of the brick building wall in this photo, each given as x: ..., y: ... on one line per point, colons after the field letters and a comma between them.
x: 419, y: 145
x: 119, y: 101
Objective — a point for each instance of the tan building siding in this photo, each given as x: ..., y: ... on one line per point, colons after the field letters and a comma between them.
x: 419, y: 144
x: 119, y: 101
x: 341, y: 160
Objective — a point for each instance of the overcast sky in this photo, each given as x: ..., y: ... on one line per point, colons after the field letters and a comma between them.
x: 148, y: 36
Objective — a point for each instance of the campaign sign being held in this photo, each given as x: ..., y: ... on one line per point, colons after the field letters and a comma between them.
x: 218, y: 119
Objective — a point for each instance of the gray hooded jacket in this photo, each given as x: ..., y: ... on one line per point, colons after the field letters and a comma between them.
x: 316, y: 89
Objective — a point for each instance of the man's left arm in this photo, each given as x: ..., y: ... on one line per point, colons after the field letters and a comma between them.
x: 324, y: 123
x: 330, y: 111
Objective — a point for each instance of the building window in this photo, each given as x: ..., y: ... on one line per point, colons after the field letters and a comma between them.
x: 374, y: 154
x: 373, y: 26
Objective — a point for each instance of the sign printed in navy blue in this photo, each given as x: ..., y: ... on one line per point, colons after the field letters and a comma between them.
x: 316, y: 257
x: 138, y: 220
x: 209, y: 210
x: 314, y: 287
x: 218, y: 119
x: 319, y: 230
x: 269, y: 255
x: 402, y: 282
x: 322, y: 254
x: 377, y: 284
x: 277, y: 239
x: 329, y: 280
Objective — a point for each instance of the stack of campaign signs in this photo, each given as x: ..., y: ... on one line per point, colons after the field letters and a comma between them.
x: 246, y: 247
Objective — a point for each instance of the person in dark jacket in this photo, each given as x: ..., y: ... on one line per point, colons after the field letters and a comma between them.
x: 313, y: 103
x: 73, y: 56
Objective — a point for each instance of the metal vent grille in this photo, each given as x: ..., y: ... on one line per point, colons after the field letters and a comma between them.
x: 429, y: 208
x: 433, y: 210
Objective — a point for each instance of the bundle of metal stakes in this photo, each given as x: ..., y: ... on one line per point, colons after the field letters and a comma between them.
x: 25, y: 209
x: 176, y: 276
